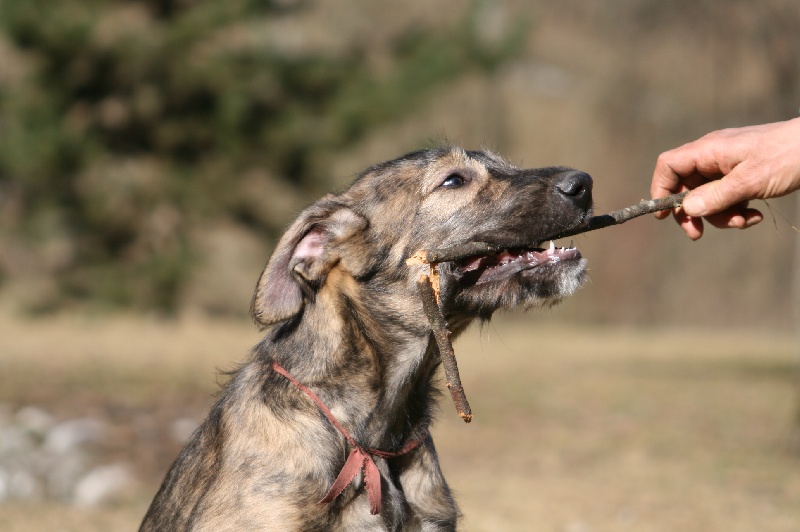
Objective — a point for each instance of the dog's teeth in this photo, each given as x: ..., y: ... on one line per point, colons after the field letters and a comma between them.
x: 552, y: 247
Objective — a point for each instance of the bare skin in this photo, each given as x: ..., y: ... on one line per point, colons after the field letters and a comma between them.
x: 727, y: 168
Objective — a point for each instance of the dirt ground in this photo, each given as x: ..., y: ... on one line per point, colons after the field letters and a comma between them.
x: 576, y: 429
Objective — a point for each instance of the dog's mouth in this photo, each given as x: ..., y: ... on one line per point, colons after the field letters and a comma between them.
x: 488, y: 268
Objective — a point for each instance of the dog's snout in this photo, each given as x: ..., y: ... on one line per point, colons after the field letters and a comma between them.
x: 576, y: 186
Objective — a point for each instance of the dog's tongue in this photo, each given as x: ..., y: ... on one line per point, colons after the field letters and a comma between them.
x: 476, y: 263
x: 530, y: 257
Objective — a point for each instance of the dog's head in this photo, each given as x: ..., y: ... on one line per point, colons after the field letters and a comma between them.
x: 426, y: 200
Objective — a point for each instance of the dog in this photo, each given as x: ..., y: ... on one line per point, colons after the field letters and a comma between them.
x: 326, y: 426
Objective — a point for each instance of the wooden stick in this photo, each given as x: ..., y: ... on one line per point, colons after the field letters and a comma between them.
x: 623, y: 215
x: 474, y: 249
x: 448, y: 355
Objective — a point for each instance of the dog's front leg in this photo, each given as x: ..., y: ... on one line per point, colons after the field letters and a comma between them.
x: 426, y: 491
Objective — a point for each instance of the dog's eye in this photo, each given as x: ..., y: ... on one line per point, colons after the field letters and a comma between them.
x: 453, y: 181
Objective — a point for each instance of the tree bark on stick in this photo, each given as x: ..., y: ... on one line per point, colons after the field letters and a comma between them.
x: 623, y: 215
x: 442, y: 336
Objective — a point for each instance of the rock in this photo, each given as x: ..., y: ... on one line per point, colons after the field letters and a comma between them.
x: 43, y: 458
x: 14, y: 440
x: 101, y: 484
x: 34, y: 420
x: 73, y: 433
x: 62, y: 473
x: 23, y: 484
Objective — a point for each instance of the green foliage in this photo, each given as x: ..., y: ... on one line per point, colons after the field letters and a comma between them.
x: 130, y: 121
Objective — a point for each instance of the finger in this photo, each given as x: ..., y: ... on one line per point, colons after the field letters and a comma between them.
x: 732, y: 217
x: 717, y: 196
x: 691, y: 164
x: 693, y: 227
x: 752, y: 217
x: 665, y: 180
x: 735, y: 219
x: 660, y: 215
x: 687, y: 182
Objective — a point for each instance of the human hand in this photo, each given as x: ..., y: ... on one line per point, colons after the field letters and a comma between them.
x: 724, y: 170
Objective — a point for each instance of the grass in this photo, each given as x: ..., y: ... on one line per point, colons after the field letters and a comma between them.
x: 575, y: 429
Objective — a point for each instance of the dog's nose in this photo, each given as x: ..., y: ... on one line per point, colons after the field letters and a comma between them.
x: 576, y: 186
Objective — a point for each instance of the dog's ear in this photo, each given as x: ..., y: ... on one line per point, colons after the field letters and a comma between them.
x: 302, y: 259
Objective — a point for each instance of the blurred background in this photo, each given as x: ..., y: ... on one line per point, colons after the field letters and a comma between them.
x: 151, y: 153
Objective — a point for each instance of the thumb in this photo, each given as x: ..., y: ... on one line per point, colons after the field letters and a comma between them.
x: 716, y: 196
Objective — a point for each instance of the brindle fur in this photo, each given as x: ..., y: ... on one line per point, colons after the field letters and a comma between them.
x: 343, y: 316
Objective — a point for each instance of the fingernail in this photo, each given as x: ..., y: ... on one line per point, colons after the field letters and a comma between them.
x: 694, y: 205
x: 752, y: 220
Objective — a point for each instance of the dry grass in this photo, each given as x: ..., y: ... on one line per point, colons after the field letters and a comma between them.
x: 574, y: 429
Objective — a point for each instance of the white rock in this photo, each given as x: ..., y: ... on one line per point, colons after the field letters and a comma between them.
x: 62, y: 473
x: 34, y: 419
x: 101, y: 484
x: 22, y: 484
x: 14, y: 440
x: 72, y: 433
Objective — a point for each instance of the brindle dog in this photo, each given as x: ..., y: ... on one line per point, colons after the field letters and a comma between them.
x: 344, y: 318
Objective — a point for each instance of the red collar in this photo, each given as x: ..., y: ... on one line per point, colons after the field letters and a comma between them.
x: 360, y: 458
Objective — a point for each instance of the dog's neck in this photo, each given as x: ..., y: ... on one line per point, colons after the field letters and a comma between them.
x: 375, y: 377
